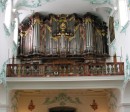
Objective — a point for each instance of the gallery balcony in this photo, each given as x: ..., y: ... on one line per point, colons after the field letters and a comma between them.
x: 64, y: 70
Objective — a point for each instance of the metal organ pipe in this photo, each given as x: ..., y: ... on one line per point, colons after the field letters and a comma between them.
x: 21, y: 43
x: 67, y: 35
x: 22, y: 39
x: 36, y: 36
x: 51, y: 47
x: 89, y: 35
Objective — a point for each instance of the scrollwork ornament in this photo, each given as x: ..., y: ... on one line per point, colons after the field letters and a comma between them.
x: 62, y: 98
x: 3, y: 73
x: 3, y: 5
x: 127, y: 70
x: 33, y: 3
x: 98, y: 1
x: 116, y: 25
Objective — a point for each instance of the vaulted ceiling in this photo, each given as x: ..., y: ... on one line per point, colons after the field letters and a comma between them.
x: 102, y: 8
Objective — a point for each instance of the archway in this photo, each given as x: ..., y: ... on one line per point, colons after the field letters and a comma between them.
x: 62, y: 109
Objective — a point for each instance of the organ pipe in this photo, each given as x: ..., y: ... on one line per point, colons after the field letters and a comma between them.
x: 36, y: 35
x: 63, y: 34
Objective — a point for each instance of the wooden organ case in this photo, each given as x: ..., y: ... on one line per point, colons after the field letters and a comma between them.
x: 62, y: 39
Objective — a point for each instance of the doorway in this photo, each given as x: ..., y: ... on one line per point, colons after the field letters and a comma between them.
x: 62, y: 109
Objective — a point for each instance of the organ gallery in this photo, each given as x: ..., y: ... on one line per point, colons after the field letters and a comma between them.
x: 63, y: 37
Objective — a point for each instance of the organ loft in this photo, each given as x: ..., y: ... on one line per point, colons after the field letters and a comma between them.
x: 63, y: 45
x: 62, y: 39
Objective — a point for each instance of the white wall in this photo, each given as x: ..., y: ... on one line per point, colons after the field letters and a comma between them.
x: 6, y: 43
x: 121, y: 47
x: 5, y: 54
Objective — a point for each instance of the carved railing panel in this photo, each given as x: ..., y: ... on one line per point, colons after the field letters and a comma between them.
x: 53, y: 70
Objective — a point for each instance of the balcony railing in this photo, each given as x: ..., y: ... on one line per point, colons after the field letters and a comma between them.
x: 55, y: 70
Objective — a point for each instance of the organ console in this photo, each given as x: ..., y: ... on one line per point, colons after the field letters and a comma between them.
x: 68, y: 37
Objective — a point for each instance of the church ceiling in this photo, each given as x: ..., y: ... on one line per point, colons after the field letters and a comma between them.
x: 27, y: 7
x: 39, y: 3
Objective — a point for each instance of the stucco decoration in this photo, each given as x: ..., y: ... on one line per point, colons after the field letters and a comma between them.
x: 127, y: 69
x: 112, y: 99
x: 14, y: 102
x: 12, y: 25
x: 14, y: 49
x: 3, y: 5
x: 98, y: 1
x: 124, y: 28
x: 6, y: 30
x: 3, y: 70
x: 108, y: 10
x: 62, y: 99
x: 3, y: 73
x: 32, y: 3
x: 128, y: 3
x: 116, y: 25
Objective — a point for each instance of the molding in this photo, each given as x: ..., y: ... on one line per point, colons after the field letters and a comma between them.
x: 3, y: 106
x: 65, y: 82
x: 60, y: 79
x: 125, y: 105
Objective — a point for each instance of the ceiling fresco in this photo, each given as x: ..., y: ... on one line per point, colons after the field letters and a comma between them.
x: 38, y: 3
x: 32, y: 3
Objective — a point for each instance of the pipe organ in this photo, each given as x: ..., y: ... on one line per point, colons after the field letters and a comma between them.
x: 62, y: 36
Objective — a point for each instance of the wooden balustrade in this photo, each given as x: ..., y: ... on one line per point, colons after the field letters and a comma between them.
x: 53, y: 70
